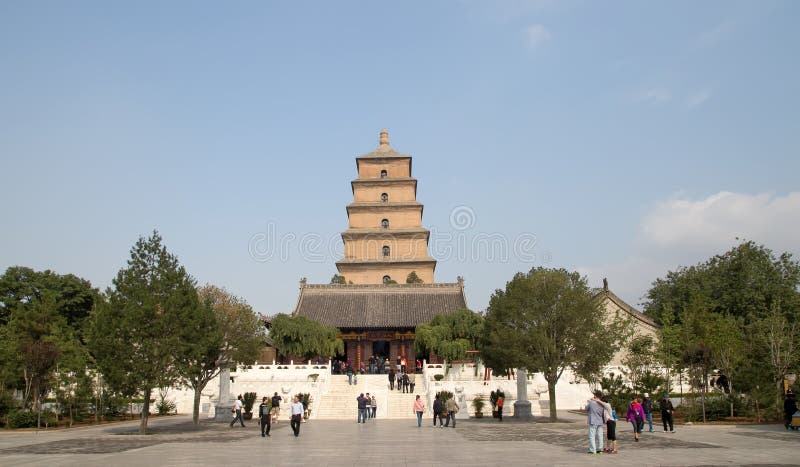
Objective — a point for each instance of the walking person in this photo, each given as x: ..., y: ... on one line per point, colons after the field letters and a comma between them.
x: 610, y: 416
x: 349, y: 372
x: 405, y: 383
x: 362, y: 408
x: 391, y: 379
x: 595, y: 417
x: 412, y: 378
x: 789, y: 408
x: 438, y: 407
x: 500, y: 402
x: 647, y: 406
x: 264, y: 417
x: 452, y: 409
x: 666, y: 413
x: 368, y: 406
x: 296, y: 415
x: 374, y: 405
x: 635, y: 415
x: 275, y: 411
x: 419, y: 409
x: 237, y: 409
x: 404, y: 365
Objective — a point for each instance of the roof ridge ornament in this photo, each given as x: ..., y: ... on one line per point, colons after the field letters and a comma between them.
x: 383, y: 142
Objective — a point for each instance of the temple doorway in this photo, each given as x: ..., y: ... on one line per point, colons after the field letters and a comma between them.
x: 380, y: 349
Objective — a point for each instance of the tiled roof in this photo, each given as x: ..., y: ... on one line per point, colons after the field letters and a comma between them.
x: 378, y: 306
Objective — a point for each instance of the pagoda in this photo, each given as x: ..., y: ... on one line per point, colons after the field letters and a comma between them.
x: 376, y: 305
x: 385, y: 240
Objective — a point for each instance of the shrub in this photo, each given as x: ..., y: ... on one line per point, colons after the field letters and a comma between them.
x: 27, y: 419
x: 248, y: 401
x: 438, y: 377
x: 478, y: 404
x: 165, y: 407
x: 444, y: 395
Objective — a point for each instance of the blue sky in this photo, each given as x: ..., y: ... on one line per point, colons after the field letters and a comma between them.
x: 627, y: 138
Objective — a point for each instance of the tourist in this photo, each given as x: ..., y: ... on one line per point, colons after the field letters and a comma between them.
x: 374, y: 405
x: 438, y: 407
x: 610, y: 416
x: 276, y: 407
x: 391, y: 379
x: 296, y: 415
x: 399, y: 364
x: 635, y: 415
x: 419, y: 409
x: 349, y: 371
x: 419, y: 366
x: 789, y: 408
x: 452, y: 409
x: 666, y: 413
x: 404, y: 365
x: 411, y: 380
x: 372, y: 365
x: 405, y: 383
x: 500, y: 402
x: 264, y: 417
x: 595, y: 416
x: 362, y: 408
x: 237, y: 409
x: 647, y: 406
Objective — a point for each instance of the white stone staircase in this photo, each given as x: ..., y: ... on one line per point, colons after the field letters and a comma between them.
x: 339, y: 403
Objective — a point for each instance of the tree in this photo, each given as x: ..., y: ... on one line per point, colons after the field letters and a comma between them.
x: 135, y: 336
x: 450, y: 335
x: 337, y: 279
x: 303, y: 337
x: 727, y: 353
x: 36, y: 330
x: 413, y: 278
x: 639, y: 357
x: 546, y: 321
x: 225, y: 331
x: 74, y: 297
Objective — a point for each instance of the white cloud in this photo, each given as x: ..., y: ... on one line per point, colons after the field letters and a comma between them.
x: 655, y: 95
x: 537, y: 35
x: 682, y: 232
x: 698, y: 99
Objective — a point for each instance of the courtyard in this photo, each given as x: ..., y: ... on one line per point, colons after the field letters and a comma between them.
x: 173, y: 441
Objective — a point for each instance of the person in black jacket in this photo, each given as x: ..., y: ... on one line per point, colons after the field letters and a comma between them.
x: 789, y: 408
x: 438, y: 408
x: 666, y: 413
x: 647, y: 406
x: 264, y: 417
x: 391, y: 379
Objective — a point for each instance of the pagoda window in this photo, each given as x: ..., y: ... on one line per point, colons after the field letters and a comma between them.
x: 384, y: 197
x: 386, y: 279
x: 386, y: 251
x: 384, y: 173
x: 385, y: 223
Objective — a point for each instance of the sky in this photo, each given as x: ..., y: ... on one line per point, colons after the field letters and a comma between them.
x: 621, y: 139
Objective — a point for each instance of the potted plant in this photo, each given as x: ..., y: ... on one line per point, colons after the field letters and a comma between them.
x: 249, y: 399
x: 313, y: 377
x: 438, y: 377
x: 305, y: 399
x: 478, y: 404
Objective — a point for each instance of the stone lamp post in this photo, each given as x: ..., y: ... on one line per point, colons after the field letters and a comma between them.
x: 522, y: 406
x: 222, y: 411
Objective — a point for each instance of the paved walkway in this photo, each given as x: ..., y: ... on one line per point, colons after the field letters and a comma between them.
x: 395, y: 442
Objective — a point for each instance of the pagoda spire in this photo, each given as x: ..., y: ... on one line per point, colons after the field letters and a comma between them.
x: 383, y: 145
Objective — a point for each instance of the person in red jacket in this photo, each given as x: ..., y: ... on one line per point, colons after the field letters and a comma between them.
x: 636, y: 415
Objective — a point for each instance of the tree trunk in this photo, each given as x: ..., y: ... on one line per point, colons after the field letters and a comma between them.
x: 703, y: 393
x: 196, y: 406
x: 145, y: 411
x: 730, y: 389
x: 779, y: 399
x: 551, y: 391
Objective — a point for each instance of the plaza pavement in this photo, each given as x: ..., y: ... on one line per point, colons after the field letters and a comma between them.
x: 395, y: 442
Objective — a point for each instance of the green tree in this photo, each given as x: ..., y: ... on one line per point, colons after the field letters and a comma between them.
x: 727, y: 351
x: 74, y: 297
x: 224, y: 331
x: 303, y: 337
x: 639, y: 357
x: 547, y: 321
x: 337, y: 279
x: 450, y: 335
x: 135, y: 337
x: 413, y: 278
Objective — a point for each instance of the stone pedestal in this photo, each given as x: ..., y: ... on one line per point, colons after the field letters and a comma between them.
x: 522, y: 407
x: 222, y: 410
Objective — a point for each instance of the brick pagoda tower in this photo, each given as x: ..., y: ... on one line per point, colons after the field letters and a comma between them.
x: 385, y: 240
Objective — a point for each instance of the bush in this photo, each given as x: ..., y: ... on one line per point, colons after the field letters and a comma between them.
x: 478, y: 404
x: 438, y: 377
x: 165, y: 407
x: 249, y: 400
x: 27, y: 419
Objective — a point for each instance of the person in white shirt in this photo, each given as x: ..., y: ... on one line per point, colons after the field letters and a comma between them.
x: 237, y: 409
x: 297, y: 415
